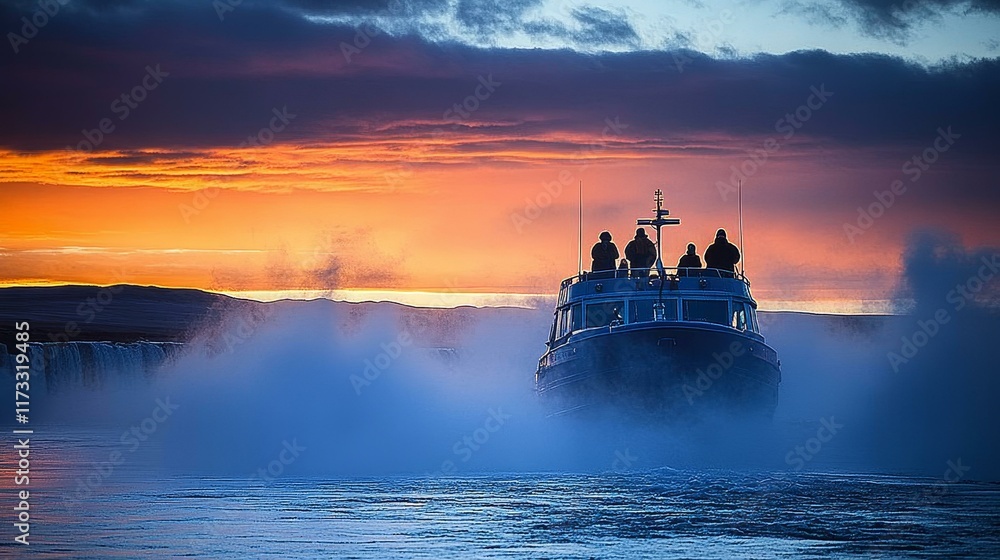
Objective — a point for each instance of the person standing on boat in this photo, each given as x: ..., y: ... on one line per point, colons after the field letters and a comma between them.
x: 604, y: 253
x: 691, y: 258
x: 722, y: 254
x: 641, y: 252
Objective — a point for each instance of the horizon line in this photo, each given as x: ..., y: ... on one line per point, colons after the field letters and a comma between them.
x: 449, y: 299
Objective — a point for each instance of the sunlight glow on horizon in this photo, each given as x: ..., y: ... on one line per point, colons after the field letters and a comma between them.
x: 448, y: 299
x: 430, y: 299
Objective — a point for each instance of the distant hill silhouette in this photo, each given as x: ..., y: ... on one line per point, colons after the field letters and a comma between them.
x: 128, y: 313
x: 120, y: 313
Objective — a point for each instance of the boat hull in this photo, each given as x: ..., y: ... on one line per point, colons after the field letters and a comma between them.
x: 664, y: 370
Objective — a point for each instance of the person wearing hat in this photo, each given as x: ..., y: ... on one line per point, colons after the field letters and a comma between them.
x: 690, y: 259
x: 604, y: 253
x: 722, y: 254
x: 641, y: 253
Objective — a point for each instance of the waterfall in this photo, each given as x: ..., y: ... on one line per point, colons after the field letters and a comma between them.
x: 59, y: 366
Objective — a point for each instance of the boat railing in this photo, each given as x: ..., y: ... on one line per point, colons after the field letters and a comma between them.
x: 649, y: 273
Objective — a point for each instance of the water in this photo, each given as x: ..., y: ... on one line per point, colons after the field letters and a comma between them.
x: 139, y: 511
x: 74, y: 365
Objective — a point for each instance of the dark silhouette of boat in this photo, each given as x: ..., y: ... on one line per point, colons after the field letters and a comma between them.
x: 668, y: 343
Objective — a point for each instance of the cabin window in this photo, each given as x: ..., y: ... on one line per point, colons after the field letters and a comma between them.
x: 566, y: 321
x: 752, y: 317
x: 708, y: 310
x: 739, y: 316
x: 641, y: 310
x: 604, y: 313
x: 569, y: 319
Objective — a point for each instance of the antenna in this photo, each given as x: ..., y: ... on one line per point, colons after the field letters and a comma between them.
x: 658, y: 222
x: 579, y: 245
x: 743, y: 260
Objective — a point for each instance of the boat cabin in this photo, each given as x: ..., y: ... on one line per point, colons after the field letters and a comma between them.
x: 590, y: 301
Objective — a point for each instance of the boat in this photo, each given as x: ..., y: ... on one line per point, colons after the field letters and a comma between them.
x: 673, y: 344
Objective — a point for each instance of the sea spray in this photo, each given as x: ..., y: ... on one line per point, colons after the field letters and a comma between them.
x: 428, y: 410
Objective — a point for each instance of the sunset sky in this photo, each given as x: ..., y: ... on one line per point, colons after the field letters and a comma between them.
x: 436, y: 146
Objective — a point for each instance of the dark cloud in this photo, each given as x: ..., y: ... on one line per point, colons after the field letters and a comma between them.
x: 140, y: 157
x: 362, y: 6
x: 603, y: 27
x: 227, y: 77
x: 330, y: 7
x: 593, y: 29
x: 817, y: 14
x: 487, y: 18
x: 87, y: 6
x: 892, y: 20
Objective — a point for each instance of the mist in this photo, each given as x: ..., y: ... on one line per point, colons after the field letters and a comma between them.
x: 332, y: 389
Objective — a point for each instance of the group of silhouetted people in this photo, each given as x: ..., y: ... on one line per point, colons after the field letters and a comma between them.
x: 640, y: 256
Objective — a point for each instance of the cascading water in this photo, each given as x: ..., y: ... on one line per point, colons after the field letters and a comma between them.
x: 62, y: 366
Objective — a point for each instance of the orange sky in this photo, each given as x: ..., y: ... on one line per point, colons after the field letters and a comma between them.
x: 288, y: 217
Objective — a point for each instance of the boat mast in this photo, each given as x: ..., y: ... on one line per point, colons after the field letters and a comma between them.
x: 743, y: 256
x: 658, y: 222
x: 579, y: 242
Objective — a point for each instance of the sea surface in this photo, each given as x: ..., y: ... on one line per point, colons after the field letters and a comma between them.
x: 137, y: 510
